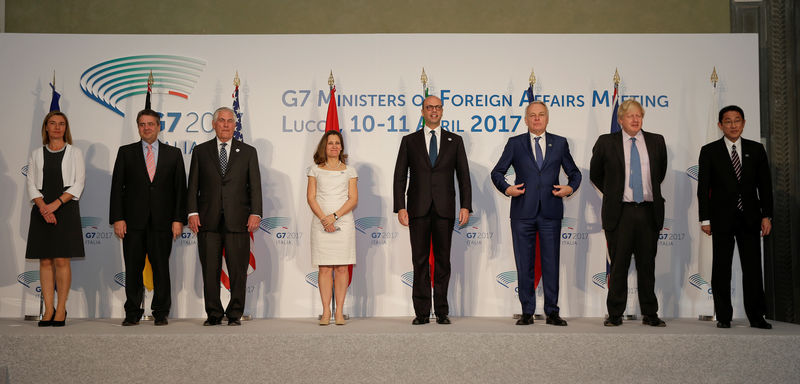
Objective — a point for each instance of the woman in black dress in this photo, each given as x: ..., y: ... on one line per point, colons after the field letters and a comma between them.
x: 56, y: 175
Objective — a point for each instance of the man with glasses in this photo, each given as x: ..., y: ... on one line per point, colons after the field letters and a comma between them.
x: 426, y: 163
x: 734, y: 193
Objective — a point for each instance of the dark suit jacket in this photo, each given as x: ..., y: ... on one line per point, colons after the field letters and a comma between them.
x: 431, y: 184
x: 538, y: 182
x: 238, y: 193
x: 607, y: 172
x: 718, y: 189
x: 135, y: 199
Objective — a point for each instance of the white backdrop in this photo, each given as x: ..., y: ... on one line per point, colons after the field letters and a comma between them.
x: 481, y: 78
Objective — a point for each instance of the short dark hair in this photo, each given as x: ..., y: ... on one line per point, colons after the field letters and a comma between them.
x: 320, y: 156
x: 734, y: 108
x: 148, y: 112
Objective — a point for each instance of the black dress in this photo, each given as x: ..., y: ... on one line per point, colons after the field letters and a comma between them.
x: 65, y: 239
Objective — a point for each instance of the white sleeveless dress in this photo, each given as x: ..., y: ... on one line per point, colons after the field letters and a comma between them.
x: 339, y: 247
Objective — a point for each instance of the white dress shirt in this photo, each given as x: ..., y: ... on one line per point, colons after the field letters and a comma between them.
x: 644, y: 161
x: 428, y: 135
x: 542, y: 144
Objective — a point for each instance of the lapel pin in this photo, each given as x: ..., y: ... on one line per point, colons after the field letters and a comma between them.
x: 449, y: 139
x: 237, y: 149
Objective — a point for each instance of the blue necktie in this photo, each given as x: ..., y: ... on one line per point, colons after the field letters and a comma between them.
x: 223, y: 159
x: 433, y: 148
x: 636, y: 173
x: 539, y: 156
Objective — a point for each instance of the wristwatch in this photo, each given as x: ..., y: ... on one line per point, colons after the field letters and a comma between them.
x: 335, y: 216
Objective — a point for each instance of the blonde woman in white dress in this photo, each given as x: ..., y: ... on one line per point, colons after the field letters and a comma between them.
x: 332, y: 194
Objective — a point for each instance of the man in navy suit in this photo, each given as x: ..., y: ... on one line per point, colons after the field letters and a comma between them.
x: 426, y: 162
x: 537, y: 158
x: 148, y: 211
x: 734, y: 194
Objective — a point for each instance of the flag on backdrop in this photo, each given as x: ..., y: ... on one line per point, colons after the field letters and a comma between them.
x: 614, y: 128
x: 55, y: 97
x: 537, y: 253
x: 237, y: 135
x: 704, y: 245
x: 431, y: 258
x: 147, y: 272
x: 332, y: 124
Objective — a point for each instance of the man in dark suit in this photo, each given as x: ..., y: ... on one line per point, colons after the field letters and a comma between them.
x: 148, y: 211
x: 540, y: 210
x: 734, y: 193
x: 224, y: 202
x: 426, y: 162
x: 628, y: 167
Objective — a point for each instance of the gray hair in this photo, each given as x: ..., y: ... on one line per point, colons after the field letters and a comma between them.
x: 220, y: 109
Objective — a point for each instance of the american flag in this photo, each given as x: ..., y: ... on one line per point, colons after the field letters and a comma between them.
x: 237, y: 134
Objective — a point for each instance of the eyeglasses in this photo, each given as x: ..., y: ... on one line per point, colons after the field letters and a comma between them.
x: 433, y: 107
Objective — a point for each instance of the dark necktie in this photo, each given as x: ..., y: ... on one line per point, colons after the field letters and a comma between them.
x: 737, y: 167
x: 636, y: 173
x: 433, y: 148
x: 223, y: 159
x: 539, y: 157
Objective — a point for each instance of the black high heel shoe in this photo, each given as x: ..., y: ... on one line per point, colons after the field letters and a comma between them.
x: 61, y: 323
x: 47, y: 323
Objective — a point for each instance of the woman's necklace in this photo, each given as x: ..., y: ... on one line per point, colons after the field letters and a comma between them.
x: 338, y: 163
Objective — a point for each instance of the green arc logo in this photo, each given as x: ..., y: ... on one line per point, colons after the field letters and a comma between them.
x: 110, y: 82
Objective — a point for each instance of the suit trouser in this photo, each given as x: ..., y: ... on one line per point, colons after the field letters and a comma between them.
x: 749, y: 243
x: 237, y: 256
x: 424, y: 231
x: 523, y: 232
x: 156, y: 245
x: 635, y: 235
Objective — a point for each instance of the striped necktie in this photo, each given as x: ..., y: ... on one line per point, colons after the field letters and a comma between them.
x: 737, y: 167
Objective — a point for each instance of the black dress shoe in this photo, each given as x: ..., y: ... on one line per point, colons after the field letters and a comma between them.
x: 443, y: 319
x: 234, y: 321
x: 555, y: 319
x: 723, y: 324
x: 61, y: 323
x: 613, y: 321
x: 160, y: 321
x: 525, y: 319
x: 212, y: 321
x: 130, y: 321
x: 47, y: 323
x: 419, y: 320
x: 653, y: 321
x: 763, y: 324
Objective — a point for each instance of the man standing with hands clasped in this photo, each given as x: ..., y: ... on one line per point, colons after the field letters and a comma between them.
x: 224, y: 205
x: 734, y: 194
x: 628, y: 167
x: 426, y: 162
x: 537, y: 206
x: 148, y: 211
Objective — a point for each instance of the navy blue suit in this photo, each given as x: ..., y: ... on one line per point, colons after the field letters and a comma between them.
x: 536, y: 211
